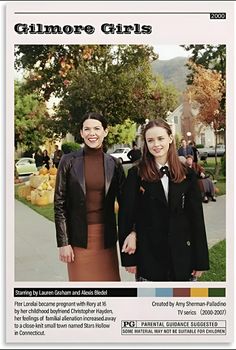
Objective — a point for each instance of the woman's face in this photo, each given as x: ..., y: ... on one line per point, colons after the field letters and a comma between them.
x: 158, y: 143
x: 93, y: 133
x: 189, y: 161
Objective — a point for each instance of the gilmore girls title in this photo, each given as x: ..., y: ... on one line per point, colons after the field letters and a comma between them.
x: 106, y: 28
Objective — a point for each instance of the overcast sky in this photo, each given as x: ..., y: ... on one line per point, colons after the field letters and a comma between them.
x: 166, y: 52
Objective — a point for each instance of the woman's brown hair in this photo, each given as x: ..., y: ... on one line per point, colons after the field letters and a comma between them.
x: 148, y: 168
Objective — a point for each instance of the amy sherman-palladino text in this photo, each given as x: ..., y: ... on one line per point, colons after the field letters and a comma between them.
x: 106, y: 28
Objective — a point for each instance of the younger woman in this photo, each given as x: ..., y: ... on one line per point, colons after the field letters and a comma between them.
x: 162, y: 232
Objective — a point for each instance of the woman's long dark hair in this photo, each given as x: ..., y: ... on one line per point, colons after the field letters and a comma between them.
x: 147, y: 166
x: 94, y: 115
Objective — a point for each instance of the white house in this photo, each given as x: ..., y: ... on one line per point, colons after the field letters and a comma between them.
x: 183, y: 121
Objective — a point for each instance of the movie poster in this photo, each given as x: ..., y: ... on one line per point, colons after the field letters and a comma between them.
x: 134, y: 61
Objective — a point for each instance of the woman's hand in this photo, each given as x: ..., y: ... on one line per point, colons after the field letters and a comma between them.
x: 196, y: 273
x: 131, y: 269
x: 129, y: 245
x: 66, y: 254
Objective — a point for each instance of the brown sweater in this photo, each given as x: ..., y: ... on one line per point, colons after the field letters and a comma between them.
x: 95, y: 184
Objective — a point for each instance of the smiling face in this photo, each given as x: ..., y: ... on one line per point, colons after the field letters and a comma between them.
x: 93, y: 133
x: 158, y: 142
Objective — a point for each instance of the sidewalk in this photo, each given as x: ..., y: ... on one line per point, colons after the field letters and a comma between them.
x: 36, y: 253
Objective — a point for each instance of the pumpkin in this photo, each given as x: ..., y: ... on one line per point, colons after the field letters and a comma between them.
x: 43, y: 171
x: 24, y: 191
x: 53, y: 171
x: 42, y: 200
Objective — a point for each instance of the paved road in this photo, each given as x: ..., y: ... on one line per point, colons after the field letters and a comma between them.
x: 36, y: 255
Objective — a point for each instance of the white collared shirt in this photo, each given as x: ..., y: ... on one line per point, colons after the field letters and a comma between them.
x: 165, y: 181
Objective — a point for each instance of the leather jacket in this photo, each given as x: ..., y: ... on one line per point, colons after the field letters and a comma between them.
x: 70, y: 203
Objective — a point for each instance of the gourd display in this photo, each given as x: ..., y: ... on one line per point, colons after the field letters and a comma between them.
x: 40, y: 187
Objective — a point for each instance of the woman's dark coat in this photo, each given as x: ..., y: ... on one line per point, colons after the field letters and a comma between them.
x: 173, y: 231
x: 70, y: 201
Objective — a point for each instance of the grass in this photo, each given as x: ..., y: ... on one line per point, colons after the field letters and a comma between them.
x: 221, y: 180
x: 221, y: 185
x: 217, y: 270
x: 47, y: 211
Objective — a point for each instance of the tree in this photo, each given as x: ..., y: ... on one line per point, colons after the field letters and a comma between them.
x: 209, y: 56
x: 123, y: 133
x: 48, y: 67
x: 30, y: 119
x: 164, y: 98
x: 115, y: 80
x: 208, y: 89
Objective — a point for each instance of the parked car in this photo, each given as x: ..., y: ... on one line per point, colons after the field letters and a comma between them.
x: 220, y: 151
x: 121, y: 154
x: 210, y: 151
x: 202, y: 154
x: 25, y: 166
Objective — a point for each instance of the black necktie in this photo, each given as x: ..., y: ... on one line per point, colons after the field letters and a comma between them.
x: 164, y: 170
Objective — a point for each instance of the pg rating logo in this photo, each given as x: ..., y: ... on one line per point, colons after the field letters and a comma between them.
x: 128, y: 324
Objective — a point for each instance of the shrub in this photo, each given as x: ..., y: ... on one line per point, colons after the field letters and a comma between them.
x: 177, y: 140
x: 200, y: 146
x: 68, y: 147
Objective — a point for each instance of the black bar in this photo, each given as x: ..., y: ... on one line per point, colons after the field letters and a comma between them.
x: 75, y: 292
x: 111, y: 13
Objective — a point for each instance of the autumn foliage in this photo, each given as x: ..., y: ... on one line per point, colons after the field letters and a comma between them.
x: 208, y: 89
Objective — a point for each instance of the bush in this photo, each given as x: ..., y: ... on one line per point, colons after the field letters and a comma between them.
x: 68, y: 147
x: 200, y: 146
x: 223, y: 165
x: 177, y: 140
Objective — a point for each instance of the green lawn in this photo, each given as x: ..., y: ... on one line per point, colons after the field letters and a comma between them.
x: 217, y: 270
x: 47, y: 211
x: 220, y: 180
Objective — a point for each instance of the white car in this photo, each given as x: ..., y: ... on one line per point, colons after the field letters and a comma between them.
x: 25, y: 166
x: 210, y: 151
x: 121, y: 154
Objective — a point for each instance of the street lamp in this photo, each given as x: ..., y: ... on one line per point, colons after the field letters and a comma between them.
x: 189, y: 135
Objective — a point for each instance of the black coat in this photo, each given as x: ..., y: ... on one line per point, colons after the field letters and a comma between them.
x: 173, y: 231
x: 70, y: 201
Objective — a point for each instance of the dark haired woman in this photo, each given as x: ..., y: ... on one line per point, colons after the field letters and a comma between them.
x: 162, y: 231
x: 88, y: 182
x: 46, y: 159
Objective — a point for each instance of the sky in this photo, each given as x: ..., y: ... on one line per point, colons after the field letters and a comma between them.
x: 167, y: 52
